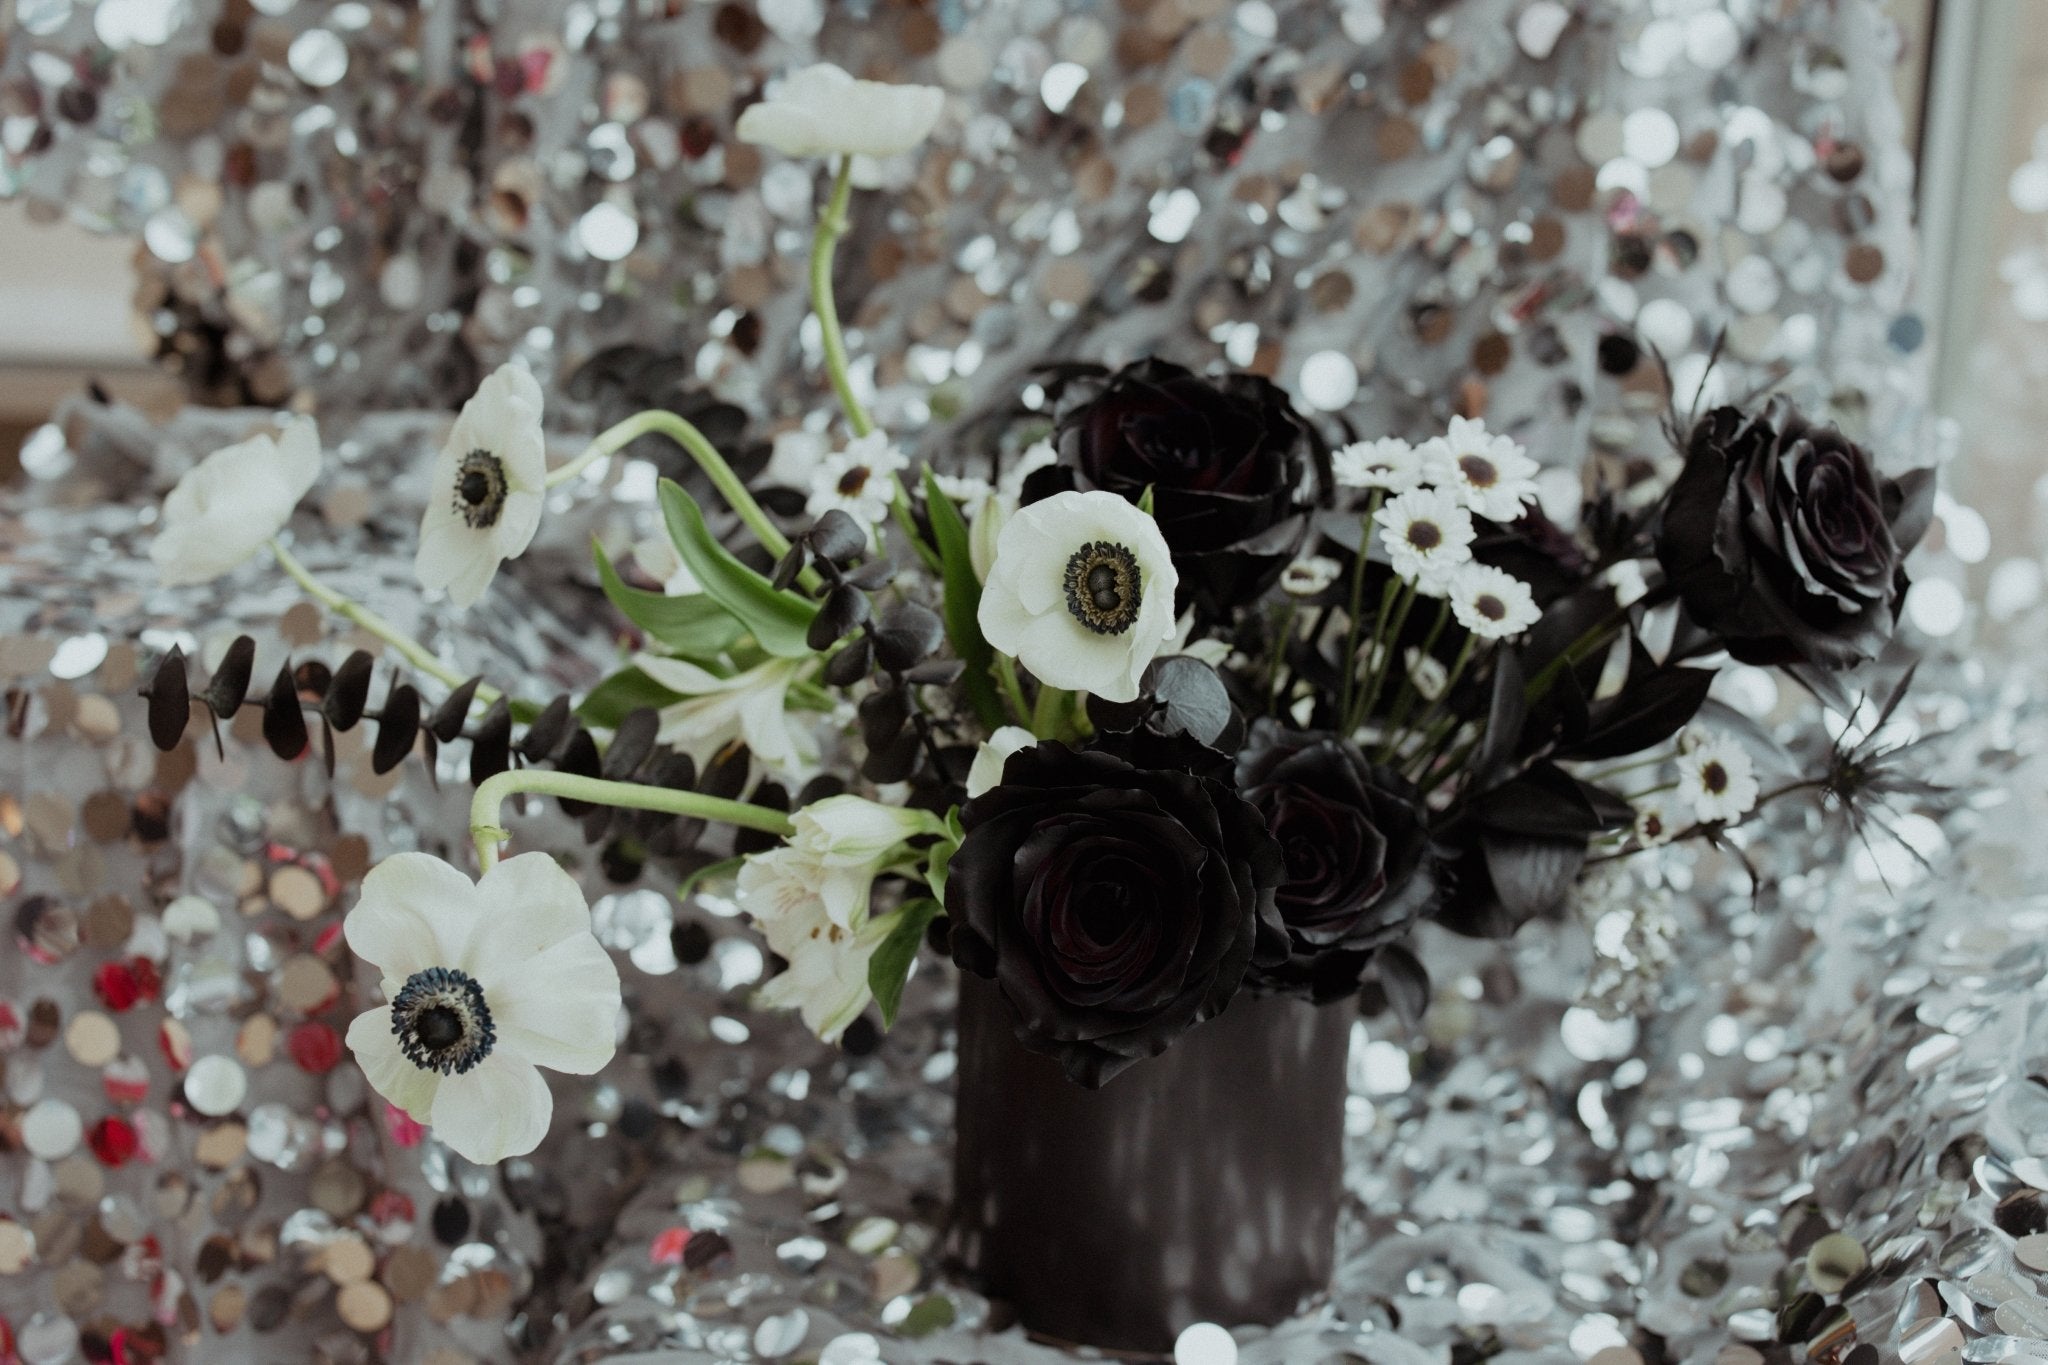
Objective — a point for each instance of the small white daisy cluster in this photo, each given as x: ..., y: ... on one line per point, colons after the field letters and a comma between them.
x: 1432, y: 493
x: 1716, y: 781
x: 1635, y: 938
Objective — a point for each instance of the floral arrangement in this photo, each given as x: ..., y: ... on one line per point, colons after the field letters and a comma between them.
x: 1161, y: 696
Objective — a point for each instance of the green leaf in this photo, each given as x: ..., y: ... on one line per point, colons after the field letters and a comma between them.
x: 1145, y: 502
x: 695, y: 626
x: 889, y: 968
x: 926, y: 1316
x: 938, y: 859
x: 963, y: 604
x: 624, y: 692
x: 778, y: 620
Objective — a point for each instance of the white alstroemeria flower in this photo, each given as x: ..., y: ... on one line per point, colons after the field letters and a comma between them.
x: 1081, y: 592
x: 1492, y: 603
x: 986, y: 529
x: 484, y: 503
x: 986, y: 772
x: 751, y: 706
x: 488, y: 980
x: 827, y: 977
x: 821, y: 110
x: 234, y: 500
x: 1428, y: 534
x: 968, y: 493
x: 1720, y: 777
x: 1490, y: 473
x: 1309, y: 575
x: 849, y: 840
x: 657, y: 556
x: 857, y: 480
x: 1654, y: 825
x: 1389, y: 463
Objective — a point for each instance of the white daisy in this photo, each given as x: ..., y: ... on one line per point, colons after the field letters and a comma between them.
x: 484, y: 503
x: 234, y: 500
x: 1309, y: 575
x: 1720, y: 778
x: 1426, y: 674
x: 1428, y: 533
x: 822, y: 110
x: 1654, y: 824
x: 859, y: 480
x: 1492, y: 603
x: 1491, y: 474
x: 986, y: 772
x: 1081, y: 592
x: 487, y: 980
x: 1389, y: 463
x: 751, y: 705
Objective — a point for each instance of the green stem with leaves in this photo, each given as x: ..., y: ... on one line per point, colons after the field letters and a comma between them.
x: 698, y: 446
x: 484, y: 808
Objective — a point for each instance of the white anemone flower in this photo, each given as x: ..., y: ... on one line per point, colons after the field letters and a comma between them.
x: 751, y: 705
x: 1492, y: 603
x: 821, y: 110
x: 986, y: 772
x: 488, y: 981
x: 1428, y: 535
x: 1081, y: 592
x: 484, y: 503
x: 234, y: 500
x: 1720, y: 777
x: 1389, y: 463
x: 1489, y: 473
x: 859, y: 480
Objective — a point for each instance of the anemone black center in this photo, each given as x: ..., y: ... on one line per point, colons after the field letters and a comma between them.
x: 1478, y: 471
x: 1104, y: 587
x: 480, y: 489
x: 442, y: 1022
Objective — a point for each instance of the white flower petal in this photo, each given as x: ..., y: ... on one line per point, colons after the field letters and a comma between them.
x: 994, y: 754
x: 821, y: 109
x: 516, y: 524
x: 529, y: 905
x: 560, y: 1009
x: 230, y: 503
x: 497, y: 1109
x: 447, y: 547
x: 388, y: 1071
x: 679, y: 675
x: 415, y: 912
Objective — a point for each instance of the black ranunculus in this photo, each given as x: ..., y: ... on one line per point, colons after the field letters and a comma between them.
x: 1225, y: 459
x: 1785, y: 543
x: 1116, y: 906
x: 1357, y: 854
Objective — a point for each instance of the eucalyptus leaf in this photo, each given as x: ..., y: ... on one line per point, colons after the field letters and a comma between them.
x: 623, y: 693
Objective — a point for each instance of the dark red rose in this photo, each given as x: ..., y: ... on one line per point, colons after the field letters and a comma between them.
x: 1784, y: 541
x: 1357, y: 853
x: 1116, y: 906
x: 1225, y: 458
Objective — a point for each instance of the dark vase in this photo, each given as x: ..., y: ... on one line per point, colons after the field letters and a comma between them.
x: 1201, y: 1185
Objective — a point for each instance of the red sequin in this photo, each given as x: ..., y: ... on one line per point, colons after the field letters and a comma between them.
x: 316, y: 1047
x: 114, y: 1141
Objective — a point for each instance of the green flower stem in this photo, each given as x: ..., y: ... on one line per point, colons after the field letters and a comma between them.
x: 1432, y: 715
x: 831, y: 227
x: 1378, y: 669
x: 699, y: 448
x: 1345, y: 682
x: 488, y: 833
x: 1405, y: 698
x: 1052, y: 717
x: 1013, y: 688
x: 415, y: 653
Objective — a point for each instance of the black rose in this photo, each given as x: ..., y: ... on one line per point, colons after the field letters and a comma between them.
x: 1225, y: 459
x: 1784, y: 542
x: 1116, y: 906
x: 1357, y: 853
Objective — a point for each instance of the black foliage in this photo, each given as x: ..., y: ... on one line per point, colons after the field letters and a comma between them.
x: 339, y: 698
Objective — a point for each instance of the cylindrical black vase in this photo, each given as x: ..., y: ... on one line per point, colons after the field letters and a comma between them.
x: 1201, y: 1185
